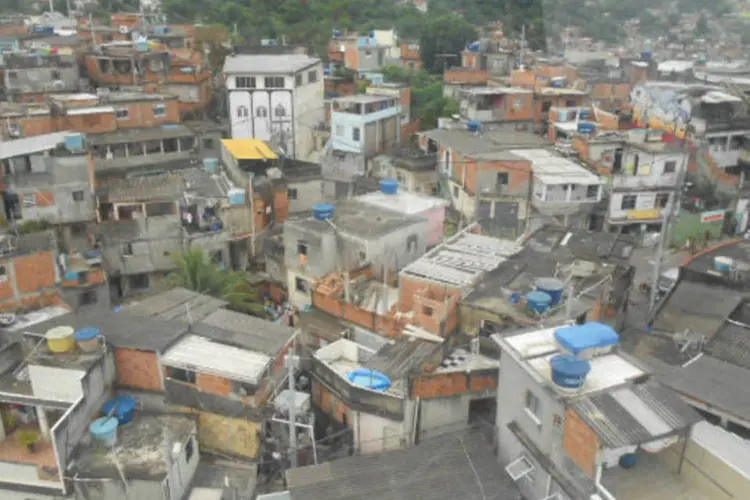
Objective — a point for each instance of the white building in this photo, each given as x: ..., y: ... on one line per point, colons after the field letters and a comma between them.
x: 276, y: 98
x: 645, y: 176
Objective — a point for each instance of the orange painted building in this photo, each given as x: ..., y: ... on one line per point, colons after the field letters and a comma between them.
x: 28, y: 272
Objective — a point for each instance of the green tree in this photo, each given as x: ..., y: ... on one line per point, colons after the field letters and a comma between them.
x: 443, y: 37
x: 197, y: 272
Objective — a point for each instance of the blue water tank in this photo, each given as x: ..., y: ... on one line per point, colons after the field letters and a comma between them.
x: 628, y: 460
x: 646, y: 56
x: 323, y: 211
x: 120, y: 407
x: 552, y: 287
x: 474, y: 125
x: 237, y: 196
x: 559, y: 82
x: 475, y: 47
x: 211, y: 165
x: 336, y: 33
x: 74, y: 142
x: 389, y: 186
x: 143, y: 46
x: 370, y: 379
x: 568, y: 371
x: 86, y: 334
x: 538, y: 302
x: 105, y: 429
x: 94, y: 253
x: 584, y: 114
x: 161, y: 30
x: 580, y: 338
x: 43, y: 30
x: 71, y: 276
x: 587, y: 128
x: 327, y: 72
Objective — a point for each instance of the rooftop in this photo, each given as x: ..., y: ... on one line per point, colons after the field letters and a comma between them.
x: 267, y: 63
x: 30, y: 145
x: 535, y: 349
x: 448, y: 467
x: 493, y: 139
x: 249, y: 149
x: 177, y: 304
x: 403, y: 201
x: 356, y: 218
x: 404, y: 356
x: 166, y: 186
x: 558, y: 91
x: 139, y: 135
x: 244, y: 332
x: 345, y: 356
x: 193, y: 352
x: 462, y: 260
x: 120, y: 329
x: 656, y: 147
x: 363, y: 98
x: 552, y: 168
x: 141, y: 449
x: 494, y: 90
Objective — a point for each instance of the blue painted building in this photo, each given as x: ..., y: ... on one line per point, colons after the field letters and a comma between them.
x: 365, y: 124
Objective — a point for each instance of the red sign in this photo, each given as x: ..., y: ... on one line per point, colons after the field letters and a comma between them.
x: 713, y: 216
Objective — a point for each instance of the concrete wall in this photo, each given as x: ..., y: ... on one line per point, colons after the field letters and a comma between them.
x: 308, y: 112
x: 343, y: 125
x: 73, y: 297
x: 513, y: 383
x: 24, y: 474
x: 153, y: 241
x: 309, y: 193
x: 225, y: 435
x: 30, y: 80
x: 650, y: 171
x: 645, y: 206
x: 714, y: 462
x: 56, y: 384
x: 443, y: 415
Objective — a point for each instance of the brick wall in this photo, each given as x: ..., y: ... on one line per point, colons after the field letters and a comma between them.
x: 466, y: 75
x: 35, y: 272
x: 330, y: 404
x: 138, y: 369
x: 213, y: 384
x: 452, y: 384
x: 580, y: 442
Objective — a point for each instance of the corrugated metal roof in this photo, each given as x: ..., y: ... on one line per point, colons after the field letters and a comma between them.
x: 30, y: 145
x: 199, y: 353
x: 635, y: 414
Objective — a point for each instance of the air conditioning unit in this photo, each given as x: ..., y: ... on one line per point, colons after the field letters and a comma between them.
x: 124, y: 29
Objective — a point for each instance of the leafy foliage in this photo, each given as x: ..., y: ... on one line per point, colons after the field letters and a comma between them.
x: 443, y: 39
x: 196, y: 272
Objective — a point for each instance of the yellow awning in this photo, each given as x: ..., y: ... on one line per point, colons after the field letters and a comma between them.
x: 249, y: 149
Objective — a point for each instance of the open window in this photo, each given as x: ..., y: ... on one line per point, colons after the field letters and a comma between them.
x: 520, y: 468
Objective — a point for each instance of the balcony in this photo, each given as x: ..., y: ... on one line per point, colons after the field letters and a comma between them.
x: 636, y: 182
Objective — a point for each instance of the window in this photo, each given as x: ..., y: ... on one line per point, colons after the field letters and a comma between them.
x: 208, y: 143
x: 189, y: 449
x: 532, y: 406
x: 139, y: 281
x: 88, y: 298
x: 628, y: 202
x: 160, y: 111
x: 427, y: 310
x: 570, y: 104
x: 592, y: 192
x: 298, y: 80
x: 3, y: 274
x: 670, y: 167
x: 339, y: 130
x: 455, y: 191
x: 279, y: 111
x: 312, y: 76
x: 301, y: 248
x: 274, y: 82
x: 355, y: 134
x: 78, y: 195
x: 242, y: 112
x: 292, y: 193
x: 122, y: 113
x: 127, y: 249
x: 187, y: 376
x: 244, y: 82
x: 362, y: 256
x: 502, y: 178
x: 13, y: 76
x: 662, y: 199
x: 546, y: 105
x: 261, y: 112
x: 636, y: 162
x: 301, y: 285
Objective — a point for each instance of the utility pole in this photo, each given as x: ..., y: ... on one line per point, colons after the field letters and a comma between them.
x: 667, y: 220
x: 291, y: 364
